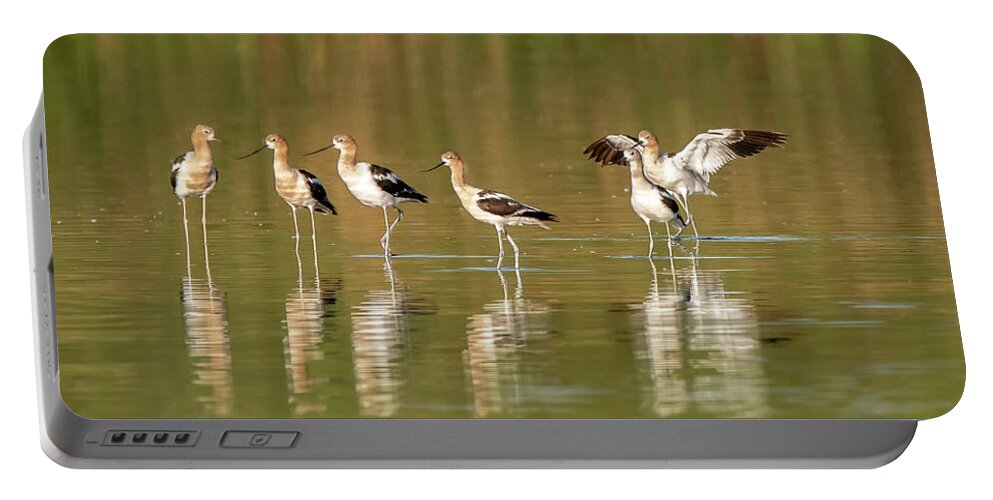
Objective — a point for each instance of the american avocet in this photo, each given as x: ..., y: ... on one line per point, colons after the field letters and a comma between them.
x: 194, y: 174
x: 688, y: 171
x: 373, y: 185
x: 491, y: 207
x: 297, y: 187
x: 653, y: 203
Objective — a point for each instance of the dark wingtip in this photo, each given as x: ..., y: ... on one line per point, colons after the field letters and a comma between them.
x: 413, y: 196
x: 324, y: 209
x: 769, y: 138
x: 546, y: 216
x: 756, y: 141
x: 604, y: 153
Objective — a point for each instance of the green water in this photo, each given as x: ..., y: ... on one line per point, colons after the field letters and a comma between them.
x: 822, y: 289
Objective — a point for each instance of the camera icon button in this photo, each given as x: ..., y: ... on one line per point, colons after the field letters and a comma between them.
x: 258, y: 439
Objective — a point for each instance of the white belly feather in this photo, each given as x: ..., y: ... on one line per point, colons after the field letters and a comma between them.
x: 364, y: 188
x: 648, y: 205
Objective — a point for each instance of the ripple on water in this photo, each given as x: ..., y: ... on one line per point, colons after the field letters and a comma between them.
x: 505, y: 269
x: 423, y: 256
x: 755, y: 238
x: 689, y: 257
x: 877, y: 305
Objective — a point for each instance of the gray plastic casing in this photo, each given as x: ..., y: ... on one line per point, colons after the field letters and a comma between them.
x: 75, y: 441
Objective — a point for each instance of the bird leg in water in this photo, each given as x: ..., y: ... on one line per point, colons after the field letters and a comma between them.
x: 503, y: 285
x: 299, y: 269
x: 655, y: 278
x: 203, y: 222
x: 674, y: 237
x: 691, y: 221
x: 296, y: 228
x: 388, y: 268
x: 296, y: 248
x: 500, y: 243
x: 517, y: 252
x: 313, y: 238
x: 385, y: 240
x: 186, y: 231
x: 651, y: 239
x: 394, y: 225
x: 668, y: 232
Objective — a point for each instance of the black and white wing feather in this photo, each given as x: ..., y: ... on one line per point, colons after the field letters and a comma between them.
x: 711, y: 150
x: 319, y: 194
x: 389, y: 182
x: 505, y: 206
x: 176, y: 163
x: 670, y: 202
x: 609, y: 150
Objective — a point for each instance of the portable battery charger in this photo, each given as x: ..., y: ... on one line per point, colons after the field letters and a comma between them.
x: 486, y: 251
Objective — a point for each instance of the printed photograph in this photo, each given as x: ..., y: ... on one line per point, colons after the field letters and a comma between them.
x: 496, y: 226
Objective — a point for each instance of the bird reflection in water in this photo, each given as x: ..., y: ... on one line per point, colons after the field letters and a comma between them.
x: 307, y: 307
x: 381, y: 343
x: 205, y: 318
x: 701, y: 344
x: 497, y: 339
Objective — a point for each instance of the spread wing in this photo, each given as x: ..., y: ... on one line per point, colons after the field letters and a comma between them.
x: 609, y: 149
x: 505, y: 206
x: 711, y: 150
x: 388, y: 181
x: 319, y: 193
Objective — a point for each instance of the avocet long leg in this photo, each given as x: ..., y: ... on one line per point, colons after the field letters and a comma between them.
x: 668, y: 241
x: 299, y: 271
x: 672, y: 273
x: 692, y: 220
x: 651, y: 239
x: 517, y: 252
x: 503, y: 285
x: 389, y: 230
x: 655, y: 277
x: 296, y: 247
x: 186, y: 231
x: 296, y: 227
x: 385, y: 240
x: 203, y: 222
x: 499, y: 232
x: 313, y: 238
